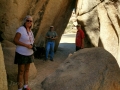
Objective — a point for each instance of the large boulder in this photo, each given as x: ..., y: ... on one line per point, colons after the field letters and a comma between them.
x: 44, y: 12
x: 100, y: 21
x: 87, y: 69
x: 3, y: 75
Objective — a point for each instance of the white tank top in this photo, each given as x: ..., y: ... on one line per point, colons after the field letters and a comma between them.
x: 27, y: 38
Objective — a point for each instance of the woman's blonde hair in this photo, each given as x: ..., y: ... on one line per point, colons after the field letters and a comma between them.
x: 24, y: 21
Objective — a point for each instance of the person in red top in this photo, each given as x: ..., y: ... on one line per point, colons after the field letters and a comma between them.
x: 79, y: 38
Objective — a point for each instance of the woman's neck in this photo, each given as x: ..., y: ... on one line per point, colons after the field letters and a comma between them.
x: 28, y: 29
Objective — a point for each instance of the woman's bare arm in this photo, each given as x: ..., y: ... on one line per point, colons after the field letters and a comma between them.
x: 17, y: 42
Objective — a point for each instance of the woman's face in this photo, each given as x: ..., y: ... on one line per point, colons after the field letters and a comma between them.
x: 28, y: 22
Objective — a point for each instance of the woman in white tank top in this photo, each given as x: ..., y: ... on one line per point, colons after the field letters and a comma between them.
x: 24, y: 39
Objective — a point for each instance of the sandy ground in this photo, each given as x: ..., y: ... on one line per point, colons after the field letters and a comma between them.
x: 45, y: 68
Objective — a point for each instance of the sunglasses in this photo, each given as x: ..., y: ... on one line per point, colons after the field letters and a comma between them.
x: 28, y: 21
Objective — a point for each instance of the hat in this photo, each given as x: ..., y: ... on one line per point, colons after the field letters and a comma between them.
x: 78, y: 25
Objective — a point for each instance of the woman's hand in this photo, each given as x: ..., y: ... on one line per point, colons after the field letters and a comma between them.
x: 29, y: 46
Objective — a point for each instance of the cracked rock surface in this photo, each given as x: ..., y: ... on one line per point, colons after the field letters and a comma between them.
x: 87, y: 69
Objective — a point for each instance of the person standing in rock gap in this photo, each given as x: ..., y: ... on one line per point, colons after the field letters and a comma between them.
x: 51, y: 36
x: 79, y: 38
x: 24, y: 40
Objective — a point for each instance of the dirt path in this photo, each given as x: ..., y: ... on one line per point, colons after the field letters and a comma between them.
x: 45, y: 68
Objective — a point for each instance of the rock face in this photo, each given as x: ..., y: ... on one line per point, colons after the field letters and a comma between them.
x: 97, y: 17
x: 87, y: 69
x: 3, y: 75
x: 45, y: 13
x: 100, y: 21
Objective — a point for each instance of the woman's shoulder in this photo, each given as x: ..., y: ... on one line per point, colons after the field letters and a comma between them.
x: 20, y: 29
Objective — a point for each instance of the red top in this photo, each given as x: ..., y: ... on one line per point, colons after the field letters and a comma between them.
x: 79, y: 37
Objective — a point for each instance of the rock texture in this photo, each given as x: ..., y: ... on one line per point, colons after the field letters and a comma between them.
x: 57, y: 16
x: 45, y: 13
x: 87, y: 69
x: 3, y: 75
x: 100, y: 21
